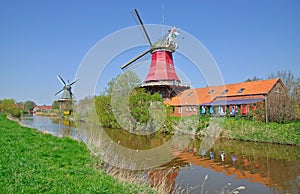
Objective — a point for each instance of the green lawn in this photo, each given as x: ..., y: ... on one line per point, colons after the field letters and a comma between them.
x: 33, y: 162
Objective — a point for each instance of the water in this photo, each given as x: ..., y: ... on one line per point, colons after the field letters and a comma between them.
x: 55, y: 126
x: 259, y: 167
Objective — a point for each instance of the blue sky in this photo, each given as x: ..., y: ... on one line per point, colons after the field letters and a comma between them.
x: 40, y: 39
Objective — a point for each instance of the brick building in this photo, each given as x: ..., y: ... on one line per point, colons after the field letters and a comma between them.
x: 232, y: 99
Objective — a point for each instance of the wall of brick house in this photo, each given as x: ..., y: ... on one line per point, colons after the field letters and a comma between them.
x: 185, y: 111
x: 277, y: 91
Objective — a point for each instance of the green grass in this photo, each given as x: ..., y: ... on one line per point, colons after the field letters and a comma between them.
x: 243, y: 129
x: 249, y: 130
x: 33, y: 162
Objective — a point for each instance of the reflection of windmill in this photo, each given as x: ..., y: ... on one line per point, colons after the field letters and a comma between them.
x: 162, y: 77
x: 67, y: 96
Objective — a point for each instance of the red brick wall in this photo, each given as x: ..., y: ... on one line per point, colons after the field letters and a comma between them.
x: 185, y: 111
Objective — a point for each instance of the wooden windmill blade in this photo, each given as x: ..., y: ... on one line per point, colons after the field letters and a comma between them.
x: 61, y: 79
x: 135, y: 59
x: 73, y: 82
x: 59, y: 91
x: 140, y: 22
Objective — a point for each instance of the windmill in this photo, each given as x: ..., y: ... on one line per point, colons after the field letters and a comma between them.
x: 162, y: 77
x: 67, y: 97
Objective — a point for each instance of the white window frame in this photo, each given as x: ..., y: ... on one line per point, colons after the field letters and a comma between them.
x: 180, y: 109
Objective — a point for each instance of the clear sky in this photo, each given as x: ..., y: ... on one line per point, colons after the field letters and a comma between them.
x: 40, y: 39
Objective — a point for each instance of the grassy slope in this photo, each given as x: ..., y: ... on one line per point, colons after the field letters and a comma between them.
x: 243, y: 129
x: 33, y: 162
x: 251, y: 130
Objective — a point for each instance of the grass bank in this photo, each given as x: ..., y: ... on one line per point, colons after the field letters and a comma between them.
x: 240, y: 129
x: 33, y: 162
x: 247, y: 130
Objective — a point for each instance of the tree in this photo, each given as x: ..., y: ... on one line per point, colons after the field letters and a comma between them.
x: 290, y: 81
x: 55, y: 105
x: 254, y: 78
x: 114, y: 98
x: 285, y: 107
x: 29, y: 105
x: 8, y: 106
x: 104, y: 111
x: 139, y: 102
x: 123, y: 84
x: 280, y: 108
x: 125, y: 104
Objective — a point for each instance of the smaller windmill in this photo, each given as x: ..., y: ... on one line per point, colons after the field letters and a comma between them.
x: 66, y: 99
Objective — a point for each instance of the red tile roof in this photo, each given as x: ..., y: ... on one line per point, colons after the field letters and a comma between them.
x: 208, y: 94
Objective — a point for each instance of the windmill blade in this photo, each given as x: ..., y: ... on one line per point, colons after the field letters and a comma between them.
x: 135, y: 59
x: 61, y: 79
x: 59, y: 91
x: 141, y: 23
x: 73, y: 82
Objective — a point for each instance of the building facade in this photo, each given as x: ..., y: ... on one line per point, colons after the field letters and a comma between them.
x: 230, y: 99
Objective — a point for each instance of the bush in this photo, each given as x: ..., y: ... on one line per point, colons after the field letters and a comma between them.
x: 15, y: 112
x: 8, y: 106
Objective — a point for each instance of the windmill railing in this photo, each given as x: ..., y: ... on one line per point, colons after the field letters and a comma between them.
x: 165, y: 83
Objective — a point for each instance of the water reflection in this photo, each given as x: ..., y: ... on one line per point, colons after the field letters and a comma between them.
x: 125, y: 150
x: 261, y: 168
x: 56, y: 126
x: 134, y: 141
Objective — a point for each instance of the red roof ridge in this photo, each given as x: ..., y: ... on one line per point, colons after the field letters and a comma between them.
x: 209, y: 93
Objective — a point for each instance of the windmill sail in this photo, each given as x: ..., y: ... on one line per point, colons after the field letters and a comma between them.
x: 142, y: 24
x: 135, y: 59
x: 67, y: 89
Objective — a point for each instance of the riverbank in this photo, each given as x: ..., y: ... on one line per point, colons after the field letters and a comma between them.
x: 241, y: 129
x: 34, y: 162
x: 247, y: 130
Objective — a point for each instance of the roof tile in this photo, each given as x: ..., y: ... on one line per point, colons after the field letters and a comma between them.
x: 203, y: 95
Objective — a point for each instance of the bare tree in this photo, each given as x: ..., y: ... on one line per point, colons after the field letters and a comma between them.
x: 285, y: 107
x: 288, y: 78
x: 254, y: 78
x: 281, y: 109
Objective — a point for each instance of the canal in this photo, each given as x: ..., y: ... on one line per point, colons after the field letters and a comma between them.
x: 257, y: 167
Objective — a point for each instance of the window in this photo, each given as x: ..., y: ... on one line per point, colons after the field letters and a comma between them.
x: 241, y: 90
x: 211, y: 91
x: 277, y: 91
x: 180, y: 109
x: 190, y: 93
x: 225, y: 91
